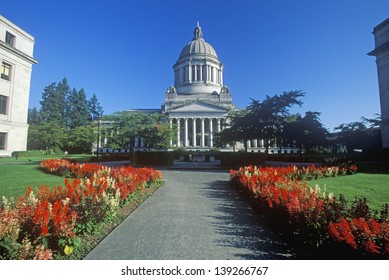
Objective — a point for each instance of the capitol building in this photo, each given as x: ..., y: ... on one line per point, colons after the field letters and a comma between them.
x: 198, y: 102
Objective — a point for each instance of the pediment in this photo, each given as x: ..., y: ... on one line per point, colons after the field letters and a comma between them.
x: 199, y: 107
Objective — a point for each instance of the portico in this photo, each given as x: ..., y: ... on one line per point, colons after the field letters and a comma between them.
x: 196, y: 132
x: 197, y: 123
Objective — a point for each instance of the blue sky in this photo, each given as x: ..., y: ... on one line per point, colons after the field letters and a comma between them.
x: 123, y: 51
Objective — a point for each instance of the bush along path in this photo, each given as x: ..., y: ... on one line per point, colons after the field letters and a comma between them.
x: 64, y: 221
x: 319, y: 225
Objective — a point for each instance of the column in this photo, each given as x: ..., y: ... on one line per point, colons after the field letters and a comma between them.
x: 218, y: 125
x: 142, y: 144
x: 178, y: 132
x: 201, y: 72
x: 171, y: 127
x: 202, y: 132
x: 186, y: 133
x: 255, y: 143
x: 221, y: 75
x: 248, y: 143
x: 190, y: 73
x: 205, y: 67
x: 210, y: 133
x: 195, y: 73
x: 194, y: 132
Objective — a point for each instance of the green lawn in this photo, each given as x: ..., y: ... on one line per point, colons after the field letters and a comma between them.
x: 374, y: 187
x: 16, y: 177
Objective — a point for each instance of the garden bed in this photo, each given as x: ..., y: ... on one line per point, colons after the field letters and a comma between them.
x: 316, y: 224
x: 57, y: 222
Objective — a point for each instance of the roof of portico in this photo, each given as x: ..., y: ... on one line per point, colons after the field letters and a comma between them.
x: 199, y: 106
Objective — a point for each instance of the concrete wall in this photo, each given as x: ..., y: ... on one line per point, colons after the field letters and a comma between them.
x: 381, y: 52
x: 17, y: 88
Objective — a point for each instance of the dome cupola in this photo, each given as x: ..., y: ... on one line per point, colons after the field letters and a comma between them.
x: 198, y: 69
x: 198, y: 45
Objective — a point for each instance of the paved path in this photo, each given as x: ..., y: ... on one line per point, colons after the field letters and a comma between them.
x: 194, y: 215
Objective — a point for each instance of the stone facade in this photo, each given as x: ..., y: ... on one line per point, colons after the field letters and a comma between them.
x: 16, y: 51
x: 381, y: 52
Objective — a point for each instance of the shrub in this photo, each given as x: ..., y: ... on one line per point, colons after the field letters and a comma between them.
x: 31, y: 153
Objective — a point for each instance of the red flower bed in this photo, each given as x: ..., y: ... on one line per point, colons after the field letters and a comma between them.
x: 50, y: 220
x: 315, y: 217
x: 369, y: 235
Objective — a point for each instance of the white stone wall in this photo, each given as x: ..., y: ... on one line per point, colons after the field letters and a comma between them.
x: 381, y: 52
x: 17, y: 88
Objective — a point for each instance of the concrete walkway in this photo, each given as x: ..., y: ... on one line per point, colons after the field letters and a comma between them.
x: 194, y: 215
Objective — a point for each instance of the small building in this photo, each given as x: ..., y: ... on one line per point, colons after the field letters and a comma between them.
x: 381, y: 52
x: 16, y: 58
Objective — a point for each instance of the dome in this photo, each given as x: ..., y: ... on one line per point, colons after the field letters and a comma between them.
x: 197, y: 45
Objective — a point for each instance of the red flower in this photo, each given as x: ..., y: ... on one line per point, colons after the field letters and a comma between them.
x: 371, y: 247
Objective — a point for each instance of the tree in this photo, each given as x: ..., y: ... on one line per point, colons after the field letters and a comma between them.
x: 126, y: 127
x: 78, y: 111
x: 238, y: 129
x: 157, y: 132
x: 53, y: 104
x: 34, y: 116
x: 46, y: 136
x: 263, y: 120
x: 63, y: 90
x: 364, y: 135
x: 79, y: 139
x: 95, y: 109
x: 63, y: 112
x: 154, y: 129
x: 374, y: 139
x: 353, y: 135
x: 307, y: 132
x: 271, y: 115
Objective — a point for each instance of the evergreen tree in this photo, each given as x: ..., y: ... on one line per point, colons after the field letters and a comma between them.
x: 53, y: 105
x: 78, y: 112
x: 63, y: 112
x: 34, y: 116
x: 54, y: 102
x: 63, y: 90
x: 95, y: 109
